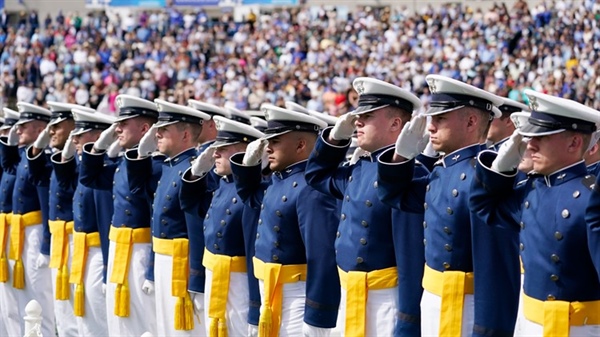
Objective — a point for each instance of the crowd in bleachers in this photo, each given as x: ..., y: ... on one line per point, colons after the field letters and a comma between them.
x: 310, y: 57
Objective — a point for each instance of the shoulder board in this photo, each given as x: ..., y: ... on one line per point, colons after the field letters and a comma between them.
x: 589, y: 181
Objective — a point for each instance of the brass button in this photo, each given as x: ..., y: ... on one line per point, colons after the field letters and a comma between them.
x: 174, y: 184
x: 455, y: 193
x: 262, y: 206
x: 576, y: 194
x: 294, y: 184
x: 260, y: 221
x: 449, y: 211
x: 447, y: 230
x: 347, y: 198
x: 228, y: 212
x: 349, y: 178
x: 375, y: 184
x: 234, y: 200
x: 522, y: 224
x: 363, y: 241
x: 275, y: 257
x: 163, y: 235
x: 554, y: 258
x: 163, y: 221
x: 219, y: 235
x: 343, y: 216
x: 276, y: 228
x: 424, y: 224
x: 554, y: 277
x: 284, y: 198
x: 424, y: 242
x: 337, y: 234
x: 222, y: 222
x: 446, y: 265
x: 216, y: 246
x: 128, y: 198
x: 550, y: 297
x: 448, y: 247
x: 127, y: 212
x: 276, y: 243
x: 257, y: 235
x: 565, y: 213
x: 368, y: 203
x: 427, y: 188
x: 425, y: 206
x: 207, y: 216
x: 118, y: 169
x: 526, y: 204
x: 558, y: 235
x: 165, y: 209
x: 278, y: 213
x: 359, y: 260
x: 364, y: 223
x: 463, y: 176
x: 204, y: 228
x: 521, y: 246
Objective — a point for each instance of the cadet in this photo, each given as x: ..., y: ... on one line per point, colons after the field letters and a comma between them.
x: 92, y: 210
x: 501, y: 128
x: 294, y: 258
x: 26, y: 229
x: 209, y: 129
x: 238, y: 115
x: 561, y: 287
x: 10, y: 317
x: 229, y: 244
x: 130, y: 304
x: 460, y: 116
x: 176, y: 135
x: 60, y: 211
x: 366, y: 239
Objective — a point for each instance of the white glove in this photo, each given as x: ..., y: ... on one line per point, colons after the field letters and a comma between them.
x: 148, y: 287
x: 594, y: 139
x: 358, y: 152
x: 254, y: 152
x: 264, y: 161
x: 429, y: 151
x: 313, y: 331
x: 103, y: 288
x: 148, y: 142
x: 510, y: 153
x: 107, y: 137
x: 252, y: 330
x: 205, y: 162
x: 114, y: 149
x: 413, y: 139
x: 43, y: 139
x: 13, y: 137
x: 42, y: 261
x: 69, y: 149
x: 344, y: 127
x: 198, y: 299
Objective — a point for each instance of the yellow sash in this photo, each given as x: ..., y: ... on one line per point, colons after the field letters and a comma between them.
x: 124, y: 238
x: 178, y: 249
x: 59, y: 255
x: 4, y: 230
x: 18, y: 222
x: 275, y: 276
x: 81, y: 244
x: 451, y: 286
x: 221, y: 266
x: 357, y: 285
x: 558, y: 316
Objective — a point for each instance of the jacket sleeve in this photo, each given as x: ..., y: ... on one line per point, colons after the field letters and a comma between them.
x: 95, y: 171
x: 323, y: 170
x: 399, y: 188
x: 249, y: 227
x: 40, y: 167
x: 9, y: 157
x: 248, y: 181
x: 318, y: 220
x: 140, y: 174
x: 66, y: 172
x: 592, y: 218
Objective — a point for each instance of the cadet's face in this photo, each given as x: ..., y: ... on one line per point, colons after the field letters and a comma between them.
x: 372, y: 130
x: 548, y: 152
x: 222, y: 155
x: 60, y: 132
x: 84, y: 138
x: 130, y: 131
x: 168, y: 136
x: 28, y: 132
x: 281, y: 151
x: 446, y: 130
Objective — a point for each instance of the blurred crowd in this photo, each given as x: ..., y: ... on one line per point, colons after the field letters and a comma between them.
x: 299, y: 54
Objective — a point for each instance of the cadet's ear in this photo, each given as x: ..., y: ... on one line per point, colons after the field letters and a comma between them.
x: 301, y: 145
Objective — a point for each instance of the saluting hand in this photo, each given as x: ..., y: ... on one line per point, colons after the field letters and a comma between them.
x: 510, y: 153
x: 205, y: 162
x: 69, y: 149
x: 114, y: 149
x: 254, y: 152
x: 43, y: 139
x: 344, y: 127
x: 106, y: 138
x: 413, y: 139
x: 13, y: 137
x: 148, y: 142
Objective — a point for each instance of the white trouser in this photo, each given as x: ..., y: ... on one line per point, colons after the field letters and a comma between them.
x: 93, y: 322
x: 66, y: 326
x: 292, y: 307
x: 519, y: 323
x: 37, y: 281
x: 142, y: 307
x: 431, y: 306
x: 10, y: 319
x: 165, y: 303
x: 382, y: 306
x: 533, y: 329
x: 236, y: 312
